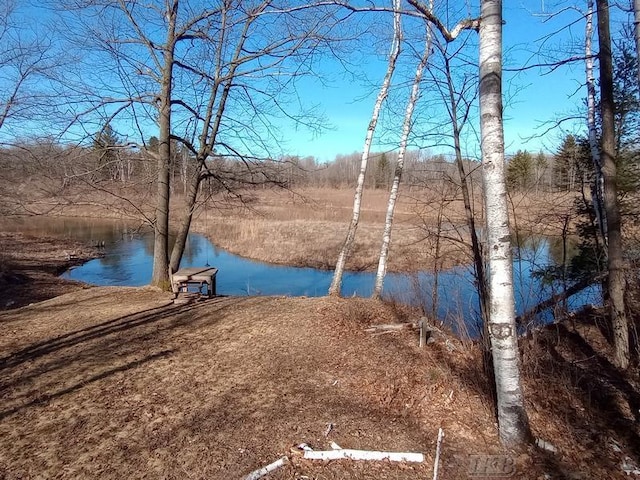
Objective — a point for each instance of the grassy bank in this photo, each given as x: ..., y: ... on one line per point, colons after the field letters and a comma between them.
x: 308, y: 228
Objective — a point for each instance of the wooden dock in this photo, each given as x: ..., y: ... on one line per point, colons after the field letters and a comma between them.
x: 194, y: 276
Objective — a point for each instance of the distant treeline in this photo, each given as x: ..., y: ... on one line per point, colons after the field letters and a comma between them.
x: 55, y: 167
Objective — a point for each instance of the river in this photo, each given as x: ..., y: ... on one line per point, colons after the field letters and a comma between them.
x: 128, y: 262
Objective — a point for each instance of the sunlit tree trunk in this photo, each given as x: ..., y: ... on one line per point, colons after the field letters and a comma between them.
x: 615, y: 262
x: 160, y: 275
x: 597, y: 193
x: 636, y: 31
x: 512, y: 417
x: 395, y: 186
x: 336, y: 281
x: 210, y: 129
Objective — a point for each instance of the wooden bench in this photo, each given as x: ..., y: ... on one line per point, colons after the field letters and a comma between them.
x: 199, y: 276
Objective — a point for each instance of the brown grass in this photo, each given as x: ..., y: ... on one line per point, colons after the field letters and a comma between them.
x: 307, y: 227
x: 116, y: 382
x: 120, y: 383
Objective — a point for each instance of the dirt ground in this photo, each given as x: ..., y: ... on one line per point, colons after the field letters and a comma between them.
x: 122, y: 383
x: 29, y: 267
x: 119, y: 382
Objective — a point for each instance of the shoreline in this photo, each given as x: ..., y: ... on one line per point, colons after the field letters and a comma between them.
x: 30, y: 267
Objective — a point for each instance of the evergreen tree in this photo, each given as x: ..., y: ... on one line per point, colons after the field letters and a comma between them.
x: 520, y: 171
x: 540, y: 165
x: 104, y: 144
x: 564, y: 164
x: 626, y: 93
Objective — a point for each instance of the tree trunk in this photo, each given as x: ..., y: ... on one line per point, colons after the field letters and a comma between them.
x: 597, y: 192
x: 160, y: 275
x: 636, y: 31
x: 393, y: 195
x: 476, y: 247
x: 512, y: 417
x: 336, y: 282
x: 616, y: 284
x: 209, y: 135
x: 185, y: 221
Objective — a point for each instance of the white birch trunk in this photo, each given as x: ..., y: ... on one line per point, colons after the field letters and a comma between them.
x: 512, y: 418
x: 336, y: 282
x: 597, y: 193
x: 636, y: 31
x: 395, y: 186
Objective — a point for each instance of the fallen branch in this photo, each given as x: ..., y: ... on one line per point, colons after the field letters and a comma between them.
x: 363, y: 455
x: 261, y: 472
x: 559, y: 297
x: 384, y: 332
x: 438, y: 447
x: 389, y: 327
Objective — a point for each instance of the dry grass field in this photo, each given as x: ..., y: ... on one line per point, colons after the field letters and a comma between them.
x: 307, y: 228
x: 115, y: 382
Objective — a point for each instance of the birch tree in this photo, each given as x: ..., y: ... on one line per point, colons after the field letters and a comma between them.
x: 336, y: 281
x: 597, y: 191
x: 397, y: 177
x: 615, y: 261
x: 512, y: 417
x: 636, y: 31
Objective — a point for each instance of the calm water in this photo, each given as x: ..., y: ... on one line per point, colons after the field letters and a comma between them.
x: 128, y: 262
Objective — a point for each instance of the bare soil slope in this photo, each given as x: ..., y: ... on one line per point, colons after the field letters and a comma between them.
x: 121, y: 383
x: 29, y: 267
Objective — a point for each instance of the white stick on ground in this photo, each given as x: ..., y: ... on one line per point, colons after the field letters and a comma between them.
x: 363, y: 455
x: 437, y: 460
x: 261, y: 472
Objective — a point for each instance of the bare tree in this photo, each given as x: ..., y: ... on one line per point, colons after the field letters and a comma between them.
x: 336, y: 282
x: 512, y: 417
x: 253, y: 79
x: 139, y: 46
x: 615, y: 261
x: 211, y: 80
x: 458, y: 100
x: 26, y: 66
x: 393, y: 194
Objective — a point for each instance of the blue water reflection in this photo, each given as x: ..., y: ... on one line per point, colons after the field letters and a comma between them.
x: 129, y: 262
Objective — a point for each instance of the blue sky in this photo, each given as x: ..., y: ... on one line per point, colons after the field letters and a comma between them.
x: 532, y: 98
